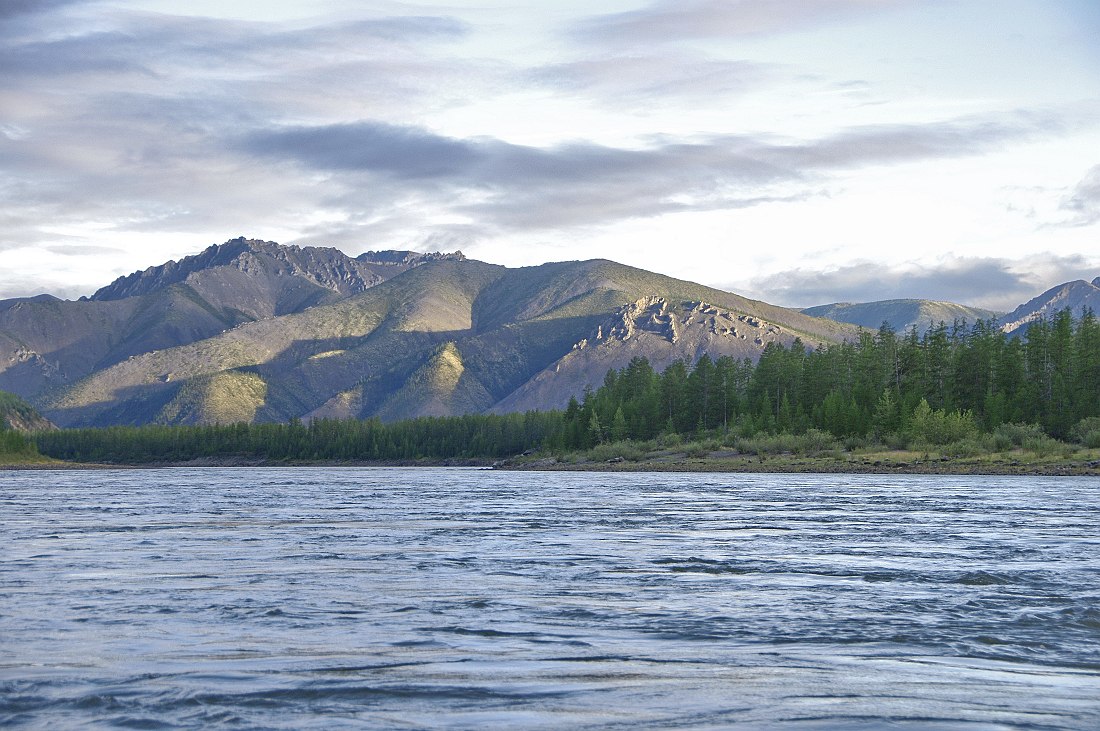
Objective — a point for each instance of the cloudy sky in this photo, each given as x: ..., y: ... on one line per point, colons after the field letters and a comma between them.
x: 798, y: 151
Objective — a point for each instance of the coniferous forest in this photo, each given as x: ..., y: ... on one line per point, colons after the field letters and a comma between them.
x: 951, y: 384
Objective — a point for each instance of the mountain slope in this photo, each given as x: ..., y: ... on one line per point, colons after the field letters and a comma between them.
x: 901, y: 315
x: 447, y: 336
x: 46, y: 344
x: 17, y: 414
x: 1076, y: 296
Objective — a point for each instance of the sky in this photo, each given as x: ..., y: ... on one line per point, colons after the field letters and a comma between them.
x: 801, y: 152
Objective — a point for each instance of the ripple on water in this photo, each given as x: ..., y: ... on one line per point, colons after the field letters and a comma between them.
x: 352, y: 598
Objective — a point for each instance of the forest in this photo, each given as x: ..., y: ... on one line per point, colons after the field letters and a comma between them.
x: 951, y: 384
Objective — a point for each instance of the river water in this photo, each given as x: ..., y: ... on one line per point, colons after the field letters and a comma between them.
x: 472, y: 599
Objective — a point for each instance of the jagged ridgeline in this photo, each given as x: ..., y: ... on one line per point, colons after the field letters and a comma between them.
x: 255, y: 331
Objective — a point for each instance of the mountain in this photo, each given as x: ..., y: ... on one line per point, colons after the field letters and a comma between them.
x: 901, y: 315
x: 47, y: 344
x: 17, y: 414
x: 1076, y: 296
x: 439, y: 334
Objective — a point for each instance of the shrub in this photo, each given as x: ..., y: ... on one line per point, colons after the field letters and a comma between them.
x: 615, y: 450
x: 1087, y: 432
x: 1045, y: 446
x: 896, y: 440
x: 942, y: 427
x: 813, y: 442
x: 972, y: 447
x: 1014, y: 435
x: 696, y: 449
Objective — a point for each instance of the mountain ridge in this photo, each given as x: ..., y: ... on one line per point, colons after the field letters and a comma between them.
x: 1077, y: 296
x: 447, y: 335
x: 256, y: 331
x: 900, y: 314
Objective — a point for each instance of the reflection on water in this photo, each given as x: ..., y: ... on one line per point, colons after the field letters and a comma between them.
x: 446, y: 598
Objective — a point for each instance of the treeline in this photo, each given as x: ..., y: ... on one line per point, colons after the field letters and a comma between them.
x: 433, y: 438
x: 13, y: 443
x: 947, y: 383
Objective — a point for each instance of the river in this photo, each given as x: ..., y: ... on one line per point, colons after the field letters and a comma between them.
x: 329, y: 598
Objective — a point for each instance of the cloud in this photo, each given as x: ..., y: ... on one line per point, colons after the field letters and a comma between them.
x: 120, y: 121
x: 994, y: 283
x: 14, y: 8
x: 642, y: 80
x: 1083, y: 204
x: 675, y: 20
x: 522, y: 187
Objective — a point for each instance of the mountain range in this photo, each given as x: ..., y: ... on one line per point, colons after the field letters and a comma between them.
x: 901, y: 315
x: 256, y: 331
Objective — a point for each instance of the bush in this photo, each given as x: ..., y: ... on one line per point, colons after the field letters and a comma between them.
x: 696, y: 449
x: 670, y: 440
x: 972, y: 447
x: 1087, y: 432
x: 813, y: 442
x: 615, y: 450
x: 1045, y: 446
x: 896, y: 440
x: 942, y: 427
x: 1014, y: 435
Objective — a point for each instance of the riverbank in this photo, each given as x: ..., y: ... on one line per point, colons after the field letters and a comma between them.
x: 884, y: 462
x: 1015, y: 462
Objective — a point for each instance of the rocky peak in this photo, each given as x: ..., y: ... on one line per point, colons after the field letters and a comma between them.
x: 326, y: 267
x: 408, y: 258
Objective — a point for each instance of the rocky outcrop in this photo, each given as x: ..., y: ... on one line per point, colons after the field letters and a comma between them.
x: 408, y: 258
x: 658, y: 328
x: 658, y: 317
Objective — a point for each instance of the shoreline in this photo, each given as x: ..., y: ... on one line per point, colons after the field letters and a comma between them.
x: 786, y: 464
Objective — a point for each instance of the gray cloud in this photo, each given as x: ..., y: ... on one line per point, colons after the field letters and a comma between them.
x: 14, y: 8
x: 673, y: 20
x: 993, y: 283
x: 522, y: 187
x: 123, y: 122
x: 1084, y: 202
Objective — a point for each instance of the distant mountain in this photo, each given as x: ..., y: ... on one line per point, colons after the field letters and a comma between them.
x: 253, y: 331
x: 1076, y: 296
x: 901, y: 315
x: 47, y: 344
x: 17, y: 414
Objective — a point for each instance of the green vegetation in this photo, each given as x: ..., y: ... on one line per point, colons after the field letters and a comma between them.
x: 951, y: 393
x: 15, y: 447
x: 950, y: 386
x: 16, y: 418
x: 429, y: 438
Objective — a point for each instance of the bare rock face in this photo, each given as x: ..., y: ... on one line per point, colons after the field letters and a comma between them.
x: 656, y: 316
x: 661, y: 330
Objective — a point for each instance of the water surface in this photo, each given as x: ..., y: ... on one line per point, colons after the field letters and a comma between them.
x: 471, y: 599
